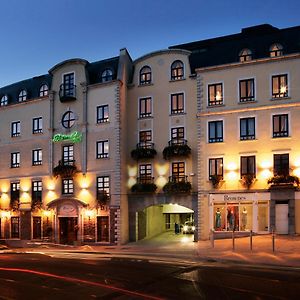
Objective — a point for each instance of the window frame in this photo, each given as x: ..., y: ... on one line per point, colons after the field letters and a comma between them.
x: 280, y: 133
x: 248, y: 136
x: 69, y: 120
x: 15, y: 160
x: 279, y: 94
x: 278, y: 51
x: 102, y: 145
x: 175, y: 71
x: 215, y: 102
x: 68, y: 155
x: 250, y: 98
x: 100, y: 114
x: 36, y: 190
x: 216, y: 139
x: 22, y: 96
x: 144, y: 106
x: 43, y: 92
x: 245, y: 57
x: 103, y: 185
x: 175, y: 108
x: 248, y: 160
x: 145, y: 77
x: 215, y: 172
x: 37, y: 157
x: 4, y: 100
x: 67, y: 186
x: 15, y: 128
x: 107, y: 75
x: 37, y: 125
x: 281, y: 168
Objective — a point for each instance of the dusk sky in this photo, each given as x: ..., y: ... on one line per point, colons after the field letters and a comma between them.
x: 37, y: 34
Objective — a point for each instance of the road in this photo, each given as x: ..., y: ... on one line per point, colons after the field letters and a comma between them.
x: 68, y: 275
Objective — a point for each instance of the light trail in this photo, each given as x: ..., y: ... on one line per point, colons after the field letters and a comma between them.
x: 77, y: 280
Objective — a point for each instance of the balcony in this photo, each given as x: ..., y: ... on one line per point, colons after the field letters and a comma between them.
x: 65, y: 169
x: 67, y: 92
x: 102, y: 197
x: 284, y: 181
x: 178, y: 184
x: 144, y: 184
x: 177, y: 147
x: 143, y: 150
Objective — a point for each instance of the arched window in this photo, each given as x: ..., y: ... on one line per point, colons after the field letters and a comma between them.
x: 4, y: 100
x: 68, y: 119
x: 44, y: 90
x: 107, y: 75
x: 276, y: 50
x: 245, y: 55
x: 177, y: 71
x: 22, y: 96
x: 145, y: 75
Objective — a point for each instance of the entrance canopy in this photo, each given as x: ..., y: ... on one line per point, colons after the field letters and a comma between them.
x: 176, y: 209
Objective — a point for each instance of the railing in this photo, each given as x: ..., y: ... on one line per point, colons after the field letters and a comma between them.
x: 70, y: 162
x: 145, y: 180
x: 177, y: 141
x: 67, y: 92
x: 178, y: 178
x: 145, y: 145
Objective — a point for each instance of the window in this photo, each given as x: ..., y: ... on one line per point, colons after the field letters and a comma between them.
x: 68, y: 155
x: 4, y: 100
x: 107, y: 75
x: 145, y: 173
x: 67, y: 186
x: 215, y: 94
x: 177, y: 71
x: 37, y: 125
x: 103, y: 186
x: 15, y: 160
x: 280, y: 125
x: 68, y: 85
x: 247, y: 129
x: 22, y: 96
x: 102, y: 114
x: 215, y: 167
x: 145, y: 75
x: 15, y: 128
x: 44, y: 90
x: 37, y: 188
x: 245, y: 55
x: 281, y: 164
x: 247, y: 90
x: 215, y: 131
x: 36, y: 227
x: 37, y: 157
x: 102, y: 149
x: 15, y: 227
x: 279, y: 86
x: 15, y: 192
x: 177, y: 103
x: 248, y: 166
x: 276, y: 50
x: 145, y: 136
x: 68, y: 119
x: 178, y: 172
x: 145, y: 107
x: 177, y: 135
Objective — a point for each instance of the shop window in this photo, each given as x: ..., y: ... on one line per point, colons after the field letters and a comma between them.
x: 37, y: 157
x: 37, y: 125
x: 15, y: 160
x: 44, y: 90
x: 215, y: 131
x: 145, y: 75
x: 102, y: 149
x: 247, y: 90
x: 67, y: 186
x: 263, y: 216
x: 281, y: 164
x: 248, y: 166
x: 280, y: 126
x: 215, y: 167
x: 102, y: 114
x: 145, y: 107
x: 280, y: 86
x: 177, y: 70
x: 15, y: 129
x: 215, y: 94
x: 245, y: 55
x: 15, y: 227
x: 247, y: 129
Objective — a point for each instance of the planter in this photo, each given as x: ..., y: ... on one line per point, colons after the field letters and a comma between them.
x: 248, y: 180
x: 176, y: 151
x: 64, y: 170
x: 102, y: 197
x: 284, y: 181
x: 177, y: 188
x: 148, y: 188
x: 142, y: 153
x: 215, y: 180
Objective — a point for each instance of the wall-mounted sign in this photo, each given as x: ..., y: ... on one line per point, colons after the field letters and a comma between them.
x: 74, y: 137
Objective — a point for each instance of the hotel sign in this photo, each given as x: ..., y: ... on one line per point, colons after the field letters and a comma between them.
x: 74, y: 137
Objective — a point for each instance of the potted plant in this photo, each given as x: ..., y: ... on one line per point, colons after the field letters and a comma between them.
x: 175, y: 150
x: 284, y: 180
x: 102, y: 197
x: 141, y: 153
x: 177, y: 187
x: 144, y: 188
x: 215, y: 180
x: 248, y: 180
x: 64, y: 170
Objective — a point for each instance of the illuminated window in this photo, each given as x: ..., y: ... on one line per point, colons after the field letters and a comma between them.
x: 22, y: 96
x: 215, y: 167
x: 15, y: 128
x: 68, y: 119
x: 247, y: 90
x: 4, y: 100
x: 215, y: 131
x: 107, y: 75
x: 276, y: 50
x: 44, y: 90
x: 215, y: 94
x: 145, y: 173
x: 280, y: 86
x: 37, y: 125
x: 145, y: 107
x: 281, y: 164
x: 102, y: 149
x: 68, y: 155
x: 67, y: 186
x: 177, y: 70
x: 248, y: 165
x: 15, y: 192
x: 145, y: 136
x: 15, y: 160
x: 177, y: 103
x: 178, y: 172
x: 145, y: 75
x: 36, y: 193
x: 37, y: 157
x: 247, y: 129
x: 102, y: 114
x: 280, y: 125
x: 245, y: 55
x: 103, y: 187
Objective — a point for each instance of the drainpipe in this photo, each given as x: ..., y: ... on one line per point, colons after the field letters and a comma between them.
x: 51, y: 131
x: 84, y: 128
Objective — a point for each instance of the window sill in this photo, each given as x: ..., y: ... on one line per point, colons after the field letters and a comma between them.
x: 146, y: 84
x: 145, y: 118
x: 102, y: 123
x: 37, y: 133
x: 248, y: 140
x: 222, y: 142
x: 281, y: 137
x: 100, y: 158
x: 280, y: 98
x: 247, y: 102
x: 176, y: 80
x: 177, y: 114
x: 217, y: 105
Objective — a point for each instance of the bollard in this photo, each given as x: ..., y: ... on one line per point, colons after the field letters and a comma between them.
x: 273, y: 240
x: 251, y: 241
x: 212, y: 238
x: 233, y: 241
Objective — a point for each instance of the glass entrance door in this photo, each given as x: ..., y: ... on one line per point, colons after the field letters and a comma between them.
x: 102, y: 229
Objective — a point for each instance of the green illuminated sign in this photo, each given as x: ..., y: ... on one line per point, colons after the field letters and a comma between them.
x: 74, y: 137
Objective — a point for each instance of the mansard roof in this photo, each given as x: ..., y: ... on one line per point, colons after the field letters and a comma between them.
x: 226, y: 49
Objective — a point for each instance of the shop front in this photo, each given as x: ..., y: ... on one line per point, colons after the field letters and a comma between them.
x: 239, y: 212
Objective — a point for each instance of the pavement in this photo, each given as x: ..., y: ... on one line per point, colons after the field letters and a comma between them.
x: 182, y: 247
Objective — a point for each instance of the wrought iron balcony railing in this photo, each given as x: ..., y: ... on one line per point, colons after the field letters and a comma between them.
x: 67, y: 92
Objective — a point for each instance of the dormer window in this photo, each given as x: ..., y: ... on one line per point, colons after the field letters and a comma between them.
x: 145, y: 75
x: 107, y: 75
x: 276, y: 50
x: 4, y: 100
x: 177, y: 71
x: 22, y: 96
x: 245, y: 55
x: 44, y: 90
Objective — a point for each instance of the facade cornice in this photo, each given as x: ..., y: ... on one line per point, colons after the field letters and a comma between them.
x: 72, y: 61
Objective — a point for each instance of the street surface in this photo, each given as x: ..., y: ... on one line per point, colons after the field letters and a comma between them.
x: 64, y: 274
